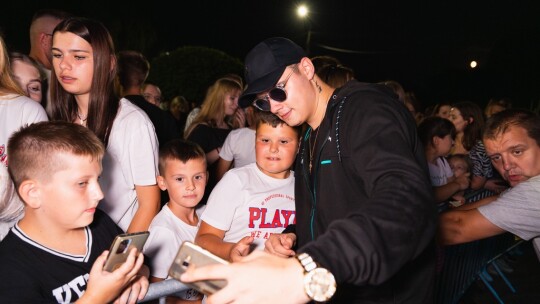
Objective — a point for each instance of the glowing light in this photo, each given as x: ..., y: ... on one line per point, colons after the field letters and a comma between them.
x: 473, y: 64
x: 302, y: 11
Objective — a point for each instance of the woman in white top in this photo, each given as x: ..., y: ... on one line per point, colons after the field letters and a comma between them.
x: 83, y: 92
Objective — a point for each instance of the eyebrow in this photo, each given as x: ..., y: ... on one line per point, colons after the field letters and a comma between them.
x: 72, y: 51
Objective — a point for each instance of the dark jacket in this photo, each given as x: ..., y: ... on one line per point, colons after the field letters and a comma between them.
x: 368, y: 213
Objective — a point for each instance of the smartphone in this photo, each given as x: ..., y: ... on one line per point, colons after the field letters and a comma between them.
x: 193, y: 255
x: 121, y: 246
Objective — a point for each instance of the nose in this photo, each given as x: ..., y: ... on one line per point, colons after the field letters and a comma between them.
x: 274, y: 147
x: 98, y: 193
x: 275, y: 106
x: 64, y: 64
x: 190, y: 185
x: 507, y: 163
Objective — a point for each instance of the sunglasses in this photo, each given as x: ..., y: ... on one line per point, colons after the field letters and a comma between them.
x: 276, y: 94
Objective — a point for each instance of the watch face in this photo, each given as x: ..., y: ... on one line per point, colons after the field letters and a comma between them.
x: 320, y: 284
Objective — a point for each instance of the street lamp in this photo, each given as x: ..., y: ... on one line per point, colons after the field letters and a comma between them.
x: 302, y: 11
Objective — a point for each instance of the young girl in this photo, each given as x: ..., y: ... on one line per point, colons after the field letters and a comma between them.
x: 437, y: 135
x: 82, y: 92
x: 468, y: 119
x: 210, y: 128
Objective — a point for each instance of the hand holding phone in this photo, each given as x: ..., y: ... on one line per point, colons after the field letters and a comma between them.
x: 121, y: 246
x: 192, y: 255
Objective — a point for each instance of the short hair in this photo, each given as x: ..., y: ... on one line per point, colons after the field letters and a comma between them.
x: 435, y: 126
x: 179, y: 149
x: 47, y: 13
x: 500, y: 123
x: 335, y: 75
x: 269, y: 118
x: 33, y: 150
x: 133, y: 69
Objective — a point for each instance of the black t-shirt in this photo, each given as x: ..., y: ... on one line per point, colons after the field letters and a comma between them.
x: 32, y: 273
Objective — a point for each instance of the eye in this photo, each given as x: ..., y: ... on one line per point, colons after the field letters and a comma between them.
x: 57, y: 55
x: 517, y: 152
x: 34, y: 88
x: 284, y: 142
x: 495, y: 158
x: 179, y: 179
x: 264, y: 140
x: 82, y: 184
x: 79, y: 57
x: 199, y: 177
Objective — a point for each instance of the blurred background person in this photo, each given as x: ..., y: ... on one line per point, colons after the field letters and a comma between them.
x: 41, y: 28
x: 496, y: 105
x: 28, y: 75
x: 152, y: 93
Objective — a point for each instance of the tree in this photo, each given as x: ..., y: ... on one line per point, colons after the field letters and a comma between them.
x: 188, y: 71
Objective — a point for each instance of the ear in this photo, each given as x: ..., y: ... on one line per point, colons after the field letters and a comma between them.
x: 306, y: 67
x: 113, y: 62
x: 435, y: 141
x: 30, y: 193
x: 161, y: 183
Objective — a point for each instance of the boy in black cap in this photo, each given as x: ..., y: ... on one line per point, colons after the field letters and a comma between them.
x: 365, y: 210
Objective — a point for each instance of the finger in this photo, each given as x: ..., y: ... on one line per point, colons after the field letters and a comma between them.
x: 214, y: 271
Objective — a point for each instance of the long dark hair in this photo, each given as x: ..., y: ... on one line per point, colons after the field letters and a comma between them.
x: 473, y: 131
x: 103, y: 103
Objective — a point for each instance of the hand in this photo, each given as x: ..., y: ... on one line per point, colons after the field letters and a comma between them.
x: 496, y: 185
x: 257, y: 278
x: 239, y: 119
x: 136, y: 290
x: 104, y: 286
x: 241, y: 248
x: 280, y: 244
x: 463, y: 181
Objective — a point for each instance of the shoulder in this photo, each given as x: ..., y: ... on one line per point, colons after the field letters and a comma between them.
x: 24, y: 105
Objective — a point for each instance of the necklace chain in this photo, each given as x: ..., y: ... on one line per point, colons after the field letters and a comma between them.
x: 312, y: 149
x: 83, y: 120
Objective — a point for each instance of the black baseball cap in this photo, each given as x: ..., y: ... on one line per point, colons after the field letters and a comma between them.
x: 265, y: 64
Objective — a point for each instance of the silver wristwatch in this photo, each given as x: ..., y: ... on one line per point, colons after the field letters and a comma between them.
x: 319, y: 283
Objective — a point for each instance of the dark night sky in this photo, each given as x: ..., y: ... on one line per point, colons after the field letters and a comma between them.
x: 425, y: 45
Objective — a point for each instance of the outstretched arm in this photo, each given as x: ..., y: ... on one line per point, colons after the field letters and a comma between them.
x: 456, y: 227
x: 211, y: 239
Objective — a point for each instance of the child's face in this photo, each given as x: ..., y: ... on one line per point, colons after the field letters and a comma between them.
x: 275, y: 149
x: 70, y: 197
x: 444, y: 145
x: 185, y: 182
x: 73, y: 62
x: 458, y: 166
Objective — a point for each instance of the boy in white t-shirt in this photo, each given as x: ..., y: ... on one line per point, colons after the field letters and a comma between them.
x: 182, y: 167
x: 252, y: 202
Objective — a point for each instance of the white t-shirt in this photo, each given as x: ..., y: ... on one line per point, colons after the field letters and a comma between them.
x: 240, y: 147
x: 517, y: 211
x: 248, y: 202
x: 167, y: 232
x: 440, y: 173
x: 131, y: 159
x: 16, y: 111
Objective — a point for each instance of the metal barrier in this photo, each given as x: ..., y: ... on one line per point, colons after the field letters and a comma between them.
x: 163, y: 288
x: 463, y: 264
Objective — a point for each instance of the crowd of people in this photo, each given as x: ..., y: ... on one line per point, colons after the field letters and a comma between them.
x: 314, y: 185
